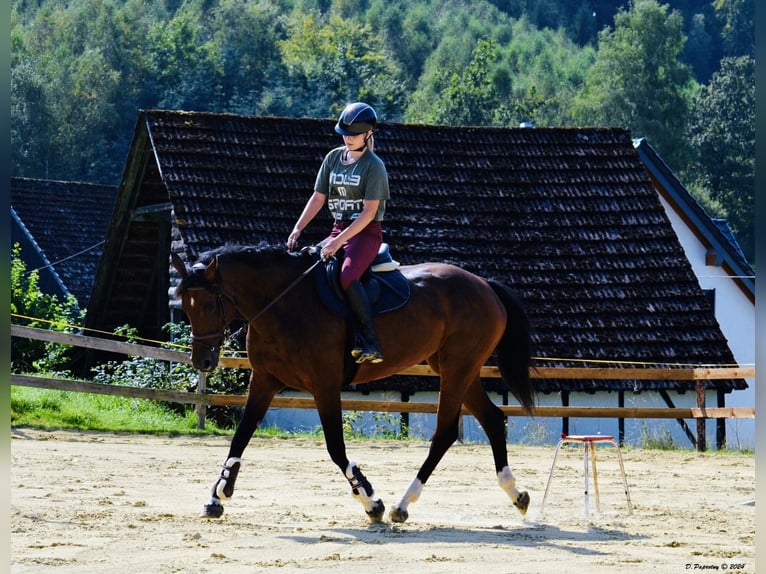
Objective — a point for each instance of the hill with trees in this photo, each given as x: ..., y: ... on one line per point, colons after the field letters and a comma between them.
x: 679, y: 74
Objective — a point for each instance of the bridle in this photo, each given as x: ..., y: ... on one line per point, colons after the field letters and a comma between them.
x: 218, y: 337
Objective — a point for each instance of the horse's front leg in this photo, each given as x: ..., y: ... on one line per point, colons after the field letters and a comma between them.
x: 258, y: 400
x: 332, y: 424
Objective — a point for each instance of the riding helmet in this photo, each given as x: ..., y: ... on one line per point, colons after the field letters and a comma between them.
x: 356, y: 118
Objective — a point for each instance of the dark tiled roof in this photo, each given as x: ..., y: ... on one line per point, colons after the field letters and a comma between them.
x: 568, y: 217
x: 716, y: 232
x: 68, y: 221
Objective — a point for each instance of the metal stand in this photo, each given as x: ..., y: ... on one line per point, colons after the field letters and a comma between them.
x: 589, y: 448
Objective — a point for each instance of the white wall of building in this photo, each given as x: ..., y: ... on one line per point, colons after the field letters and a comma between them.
x: 736, y: 317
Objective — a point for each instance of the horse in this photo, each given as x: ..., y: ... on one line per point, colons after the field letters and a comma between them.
x: 454, y: 320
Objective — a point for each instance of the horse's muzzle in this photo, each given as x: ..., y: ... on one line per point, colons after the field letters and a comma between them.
x: 205, y: 358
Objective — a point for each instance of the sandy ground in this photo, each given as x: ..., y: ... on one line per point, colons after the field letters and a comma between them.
x: 92, y: 502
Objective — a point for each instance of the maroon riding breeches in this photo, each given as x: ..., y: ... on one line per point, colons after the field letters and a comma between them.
x: 359, y: 252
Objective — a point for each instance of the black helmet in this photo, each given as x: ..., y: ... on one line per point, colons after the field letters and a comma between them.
x: 355, y: 119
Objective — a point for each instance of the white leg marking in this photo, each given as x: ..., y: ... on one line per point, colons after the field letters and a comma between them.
x: 411, y: 495
x: 508, y: 483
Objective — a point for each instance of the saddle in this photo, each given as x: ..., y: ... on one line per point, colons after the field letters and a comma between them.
x: 386, y: 287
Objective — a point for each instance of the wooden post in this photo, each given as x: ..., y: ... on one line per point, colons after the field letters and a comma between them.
x: 720, y: 424
x: 565, y: 421
x: 504, y: 396
x: 701, y: 442
x: 201, y: 408
x: 621, y: 421
x: 404, y: 418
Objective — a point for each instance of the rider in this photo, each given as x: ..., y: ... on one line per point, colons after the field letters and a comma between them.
x: 354, y: 182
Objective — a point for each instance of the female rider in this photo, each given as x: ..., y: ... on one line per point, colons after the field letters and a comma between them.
x: 353, y: 181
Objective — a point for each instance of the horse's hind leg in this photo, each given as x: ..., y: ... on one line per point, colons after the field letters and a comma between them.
x: 492, y: 421
x: 329, y: 408
x: 258, y: 400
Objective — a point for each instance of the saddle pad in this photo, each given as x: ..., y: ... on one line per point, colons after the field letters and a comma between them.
x: 388, y: 291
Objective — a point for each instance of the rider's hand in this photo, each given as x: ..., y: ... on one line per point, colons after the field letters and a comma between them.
x: 331, y: 247
x: 292, y: 240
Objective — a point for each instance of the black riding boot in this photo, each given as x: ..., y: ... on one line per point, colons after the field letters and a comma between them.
x: 369, y: 350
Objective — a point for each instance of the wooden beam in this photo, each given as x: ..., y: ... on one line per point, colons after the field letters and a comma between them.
x: 601, y: 373
x: 373, y: 405
x: 131, y: 349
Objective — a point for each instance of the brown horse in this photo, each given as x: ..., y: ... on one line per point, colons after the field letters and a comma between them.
x: 454, y: 320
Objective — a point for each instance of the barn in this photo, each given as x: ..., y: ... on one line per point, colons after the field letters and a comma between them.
x: 569, y: 217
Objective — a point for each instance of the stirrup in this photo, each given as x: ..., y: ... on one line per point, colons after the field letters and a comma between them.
x: 369, y: 356
x: 363, y: 351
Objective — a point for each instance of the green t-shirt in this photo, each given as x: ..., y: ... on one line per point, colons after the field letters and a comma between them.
x: 347, y: 186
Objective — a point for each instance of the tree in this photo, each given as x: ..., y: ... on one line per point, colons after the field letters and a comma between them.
x: 185, y: 66
x: 74, y: 67
x: 245, y: 36
x: 332, y: 61
x: 639, y: 82
x: 30, y: 121
x: 722, y: 130
x: 738, y: 18
x: 470, y: 98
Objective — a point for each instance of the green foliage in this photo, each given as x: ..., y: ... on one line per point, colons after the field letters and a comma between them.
x: 469, y: 98
x: 184, y: 63
x: 738, y: 31
x: 46, y: 311
x: 331, y: 60
x: 722, y: 132
x: 144, y: 372
x: 661, y: 439
x: 504, y: 74
x: 358, y: 424
x: 638, y: 80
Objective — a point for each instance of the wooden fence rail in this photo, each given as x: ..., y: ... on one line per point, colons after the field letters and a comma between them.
x: 375, y: 405
x: 601, y: 373
x: 202, y: 399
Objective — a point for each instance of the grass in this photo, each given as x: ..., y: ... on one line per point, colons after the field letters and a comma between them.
x: 49, y: 409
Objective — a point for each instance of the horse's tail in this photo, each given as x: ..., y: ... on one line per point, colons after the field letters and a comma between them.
x: 514, y: 348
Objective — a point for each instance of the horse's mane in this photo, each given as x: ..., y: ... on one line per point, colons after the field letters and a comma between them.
x: 262, y: 253
x: 244, y: 253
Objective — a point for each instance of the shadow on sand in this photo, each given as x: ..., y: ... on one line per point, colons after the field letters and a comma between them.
x: 534, y: 534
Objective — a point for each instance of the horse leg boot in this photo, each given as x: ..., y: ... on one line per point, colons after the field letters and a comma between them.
x: 360, y: 306
x: 223, y: 488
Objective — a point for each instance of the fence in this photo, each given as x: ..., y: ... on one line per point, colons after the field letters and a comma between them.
x: 202, y: 400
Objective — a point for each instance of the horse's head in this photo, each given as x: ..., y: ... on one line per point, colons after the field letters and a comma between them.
x: 206, y: 307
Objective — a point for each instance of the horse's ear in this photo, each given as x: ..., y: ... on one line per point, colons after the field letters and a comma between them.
x: 178, y: 264
x: 209, y: 273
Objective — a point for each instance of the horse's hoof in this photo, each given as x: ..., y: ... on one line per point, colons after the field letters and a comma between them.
x: 522, y: 502
x: 398, y: 515
x: 376, y: 514
x: 212, y: 511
